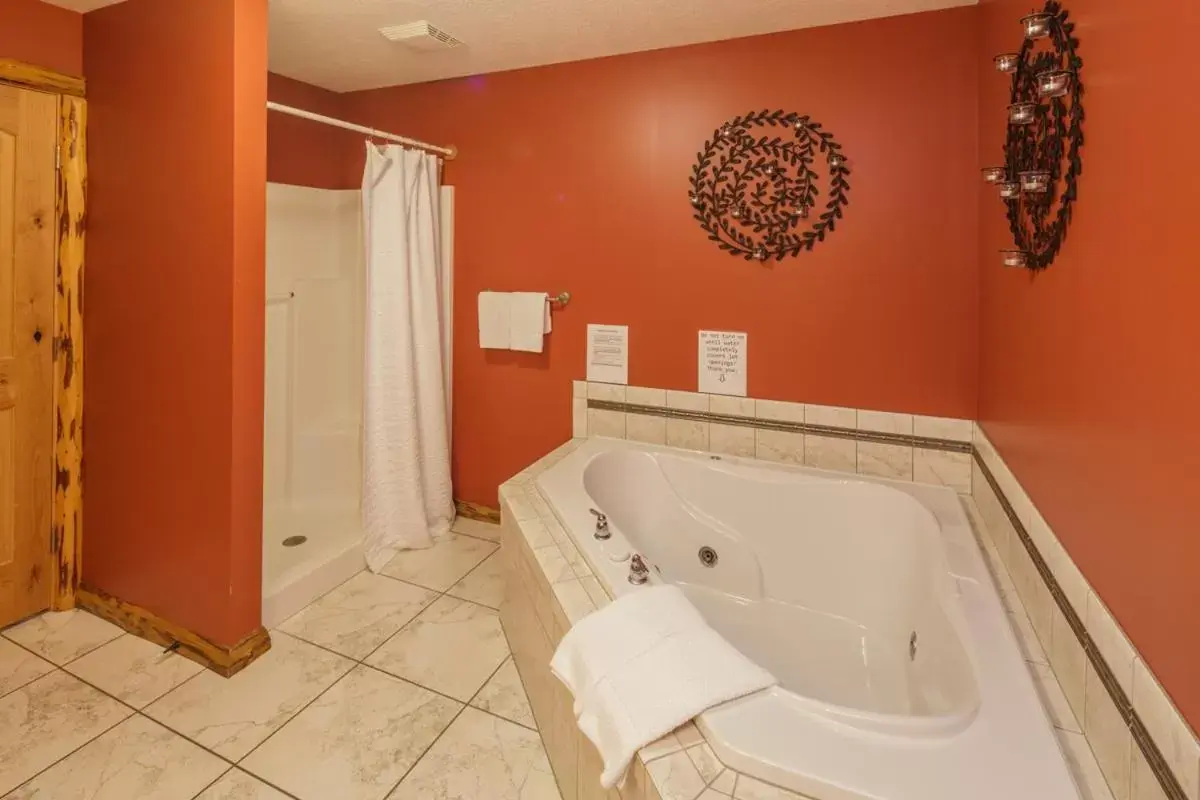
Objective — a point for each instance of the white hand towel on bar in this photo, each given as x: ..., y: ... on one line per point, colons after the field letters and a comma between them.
x: 530, y: 321
x: 644, y: 665
x: 495, y: 320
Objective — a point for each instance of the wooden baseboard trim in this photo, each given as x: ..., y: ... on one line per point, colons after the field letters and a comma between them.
x: 221, y: 659
x: 476, y: 511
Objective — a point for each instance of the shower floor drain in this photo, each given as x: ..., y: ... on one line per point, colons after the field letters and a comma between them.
x: 294, y: 541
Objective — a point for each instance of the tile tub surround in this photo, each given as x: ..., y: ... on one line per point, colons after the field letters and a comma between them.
x: 543, y: 600
x: 909, y: 447
x: 1145, y: 748
x: 1152, y: 749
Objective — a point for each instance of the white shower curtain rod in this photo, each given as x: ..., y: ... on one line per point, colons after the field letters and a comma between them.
x: 448, y: 152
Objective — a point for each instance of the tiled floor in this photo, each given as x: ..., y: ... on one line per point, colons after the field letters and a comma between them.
x: 395, y: 686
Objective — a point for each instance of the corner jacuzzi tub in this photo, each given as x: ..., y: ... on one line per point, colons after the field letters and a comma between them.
x: 869, y: 600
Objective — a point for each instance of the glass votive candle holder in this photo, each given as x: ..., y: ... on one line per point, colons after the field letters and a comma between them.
x: 994, y: 174
x: 1007, y: 62
x: 1035, y: 181
x: 1054, y: 83
x: 1037, y: 25
x: 1015, y: 258
x: 1022, y: 113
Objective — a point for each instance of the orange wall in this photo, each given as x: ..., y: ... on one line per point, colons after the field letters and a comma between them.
x: 174, y: 328
x: 42, y: 34
x: 304, y: 153
x: 1088, y: 384
x: 575, y: 177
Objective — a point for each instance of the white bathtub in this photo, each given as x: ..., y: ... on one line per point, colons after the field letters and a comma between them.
x: 869, y: 600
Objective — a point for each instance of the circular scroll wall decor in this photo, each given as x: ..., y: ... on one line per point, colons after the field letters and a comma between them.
x: 1042, y: 163
x: 756, y: 185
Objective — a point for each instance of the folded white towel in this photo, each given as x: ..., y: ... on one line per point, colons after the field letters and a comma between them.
x: 530, y: 321
x: 495, y: 315
x: 644, y: 665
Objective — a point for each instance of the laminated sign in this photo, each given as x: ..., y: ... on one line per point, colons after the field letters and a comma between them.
x: 723, y: 363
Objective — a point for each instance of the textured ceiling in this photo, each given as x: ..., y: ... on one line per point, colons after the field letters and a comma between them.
x: 336, y: 43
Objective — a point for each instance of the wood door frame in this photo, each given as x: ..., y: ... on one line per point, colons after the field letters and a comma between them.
x: 66, y: 537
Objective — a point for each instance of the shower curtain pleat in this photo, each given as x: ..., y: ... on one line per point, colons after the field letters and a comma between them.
x: 407, y: 495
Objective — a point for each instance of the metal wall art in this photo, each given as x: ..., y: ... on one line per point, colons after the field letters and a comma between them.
x: 1042, y: 164
x: 754, y: 189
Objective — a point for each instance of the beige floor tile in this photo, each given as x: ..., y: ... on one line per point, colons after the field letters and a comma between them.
x: 237, y: 785
x: 359, y: 615
x: 725, y: 782
x: 1108, y: 736
x: 442, y: 565
x: 1088, y: 777
x: 942, y: 468
x: 232, y: 716
x: 505, y: 695
x: 18, y: 667
x: 1053, y: 698
x: 830, y: 452
x: 481, y: 757
x: 676, y: 777
x: 356, y: 740
x: 453, y: 647
x: 63, y: 636
x: 47, y: 719
x: 477, y: 528
x: 137, y: 759
x: 885, y: 460
x: 731, y: 440
x: 750, y: 789
x: 484, y: 584
x: 1144, y: 784
x: 134, y: 670
x: 706, y: 762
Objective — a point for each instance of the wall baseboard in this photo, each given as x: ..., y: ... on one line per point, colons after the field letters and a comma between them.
x: 476, y: 511
x: 222, y: 659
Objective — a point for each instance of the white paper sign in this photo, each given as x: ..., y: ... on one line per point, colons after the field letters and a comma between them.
x: 608, y: 353
x: 723, y: 363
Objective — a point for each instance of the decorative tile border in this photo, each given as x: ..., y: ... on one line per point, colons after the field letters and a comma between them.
x: 1171, y: 785
x: 923, y: 442
x: 910, y: 447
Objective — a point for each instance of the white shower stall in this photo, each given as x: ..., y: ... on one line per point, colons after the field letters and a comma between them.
x: 312, y: 455
x: 314, y: 378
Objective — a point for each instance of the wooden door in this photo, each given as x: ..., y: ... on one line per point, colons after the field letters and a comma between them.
x: 28, y: 142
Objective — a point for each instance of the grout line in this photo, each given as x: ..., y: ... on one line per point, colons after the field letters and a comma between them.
x: 478, y: 538
x: 291, y: 719
x: 53, y: 667
x: 251, y: 775
x: 442, y: 732
x: 63, y: 758
x: 214, y: 782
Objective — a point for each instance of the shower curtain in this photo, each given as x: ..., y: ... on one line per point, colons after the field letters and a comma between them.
x: 407, y: 497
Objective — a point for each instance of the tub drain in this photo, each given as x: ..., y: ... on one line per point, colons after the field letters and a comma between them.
x: 294, y: 541
x: 708, y: 556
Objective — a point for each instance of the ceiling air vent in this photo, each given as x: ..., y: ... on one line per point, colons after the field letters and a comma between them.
x: 420, y: 36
